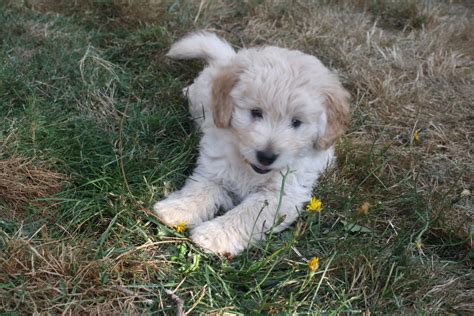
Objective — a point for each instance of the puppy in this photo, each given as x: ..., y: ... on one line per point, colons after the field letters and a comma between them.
x: 269, y: 118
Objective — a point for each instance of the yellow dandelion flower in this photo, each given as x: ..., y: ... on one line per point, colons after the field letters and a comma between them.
x: 314, y: 205
x: 364, y: 208
x: 180, y: 228
x: 416, y: 136
x: 418, y: 244
x: 313, y: 264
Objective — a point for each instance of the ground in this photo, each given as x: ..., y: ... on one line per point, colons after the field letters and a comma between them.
x: 94, y: 130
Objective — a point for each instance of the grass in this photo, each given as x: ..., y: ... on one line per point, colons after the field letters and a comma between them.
x: 94, y: 131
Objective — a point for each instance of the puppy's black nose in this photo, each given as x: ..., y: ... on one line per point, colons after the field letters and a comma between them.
x: 266, y: 157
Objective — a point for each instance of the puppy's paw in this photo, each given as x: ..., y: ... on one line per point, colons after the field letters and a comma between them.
x: 215, y: 237
x: 174, y: 212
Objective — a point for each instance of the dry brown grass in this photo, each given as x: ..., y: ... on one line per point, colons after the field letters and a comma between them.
x: 65, y: 277
x: 24, y: 182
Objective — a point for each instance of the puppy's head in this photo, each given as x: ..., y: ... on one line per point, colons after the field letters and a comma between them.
x: 279, y: 105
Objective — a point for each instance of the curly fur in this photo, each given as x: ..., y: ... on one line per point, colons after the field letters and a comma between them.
x: 285, y: 86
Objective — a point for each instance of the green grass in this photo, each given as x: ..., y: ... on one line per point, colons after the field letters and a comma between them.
x: 90, y: 95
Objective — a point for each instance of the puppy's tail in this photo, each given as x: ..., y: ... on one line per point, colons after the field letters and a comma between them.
x: 202, y: 45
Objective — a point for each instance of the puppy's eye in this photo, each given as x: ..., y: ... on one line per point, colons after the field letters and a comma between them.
x: 295, y: 123
x: 256, y: 113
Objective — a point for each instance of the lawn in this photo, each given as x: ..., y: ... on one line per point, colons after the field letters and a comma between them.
x: 93, y: 130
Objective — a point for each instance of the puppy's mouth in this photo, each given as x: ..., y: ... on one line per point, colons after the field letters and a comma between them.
x: 259, y: 170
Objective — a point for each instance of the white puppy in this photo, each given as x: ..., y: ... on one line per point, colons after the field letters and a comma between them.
x: 264, y: 113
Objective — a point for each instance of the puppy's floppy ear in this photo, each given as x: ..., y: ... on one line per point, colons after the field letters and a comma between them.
x: 337, y: 111
x: 221, y: 101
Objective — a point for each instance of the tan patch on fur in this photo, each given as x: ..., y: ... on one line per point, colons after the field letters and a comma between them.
x: 221, y: 104
x: 337, y: 112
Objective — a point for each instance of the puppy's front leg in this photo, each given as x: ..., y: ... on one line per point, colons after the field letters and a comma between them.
x: 248, y: 222
x: 196, y: 202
